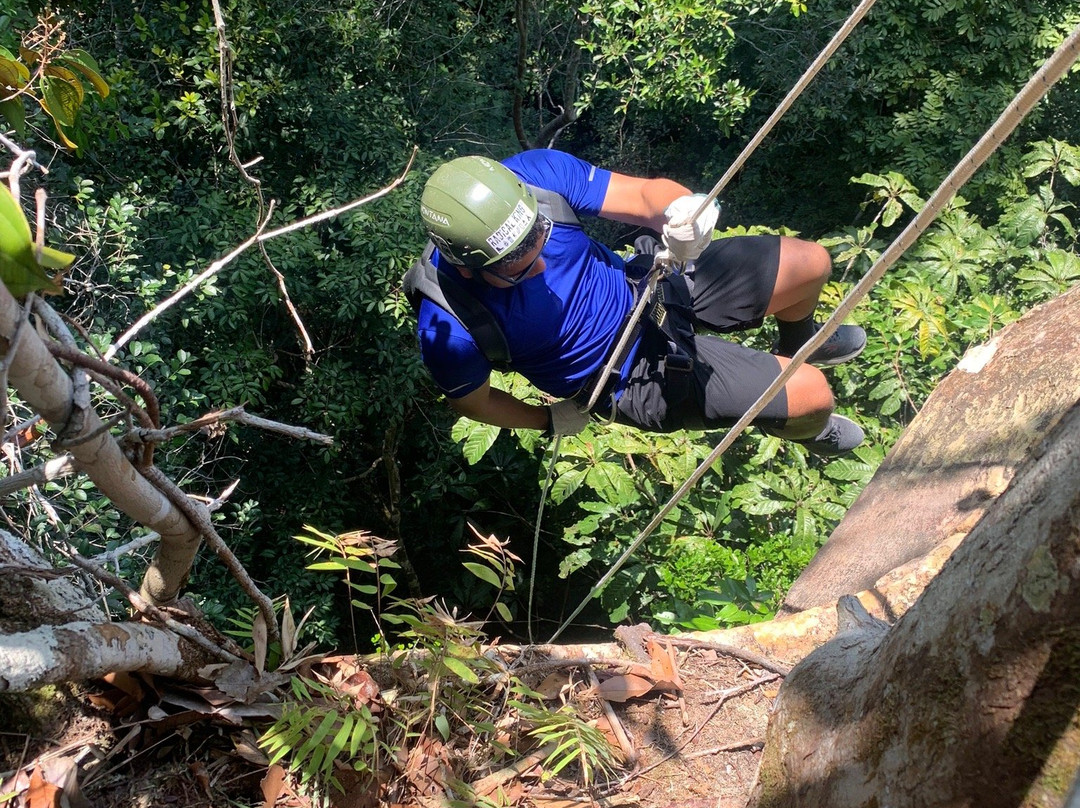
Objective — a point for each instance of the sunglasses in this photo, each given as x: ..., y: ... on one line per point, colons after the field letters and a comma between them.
x: 522, y: 274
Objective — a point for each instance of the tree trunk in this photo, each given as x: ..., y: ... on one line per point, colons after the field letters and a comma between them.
x: 958, y: 455
x: 971, y: 698
x: 51, y: 630
x: 47, y: 388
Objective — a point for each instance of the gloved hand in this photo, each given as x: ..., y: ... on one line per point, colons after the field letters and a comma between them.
x: 685, y: 239
x: 567, y: 417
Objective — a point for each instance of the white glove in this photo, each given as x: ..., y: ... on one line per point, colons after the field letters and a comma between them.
x: 687, y: 239
x: 567, y: 417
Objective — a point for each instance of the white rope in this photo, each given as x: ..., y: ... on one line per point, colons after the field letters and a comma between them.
x: 785, y: 105
x: 1039, y: 84
x: 536, y: 535
x: 663, y: 259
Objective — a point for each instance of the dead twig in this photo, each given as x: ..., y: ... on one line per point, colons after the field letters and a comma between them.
x: 488, y: 785
x: 236, y: 415
x: 630, y: 754
x: 39, y: 475
x: 200, y: 519
x: 728, y: 650
x: 735, y: 746
x: 112, y: 555
x: 725, y: 696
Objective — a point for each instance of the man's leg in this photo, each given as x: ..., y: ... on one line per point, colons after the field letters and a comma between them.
x: 803, y: 269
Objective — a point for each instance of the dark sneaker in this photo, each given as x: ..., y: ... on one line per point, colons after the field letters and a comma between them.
x: 846, y: 343
x: 840, y: 435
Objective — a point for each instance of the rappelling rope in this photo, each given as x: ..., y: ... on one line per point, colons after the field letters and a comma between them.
x: 536, y: 535
x: 662, y: 259
x: 1054, y: 68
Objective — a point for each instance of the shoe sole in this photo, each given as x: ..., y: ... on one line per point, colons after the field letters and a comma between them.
x: 837, y: 360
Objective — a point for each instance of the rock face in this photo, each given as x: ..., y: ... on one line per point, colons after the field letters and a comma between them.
x: 957, y: 456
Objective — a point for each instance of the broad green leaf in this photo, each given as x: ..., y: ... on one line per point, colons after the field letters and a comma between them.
x: 18, y: 269
x: 60, y: 99
x: 15, y: 114
x: 62, y: 74
x: 504, y: 611
x: 566, y: 484
x: 11, y: 74
x: 483, y: 573
x: 478, y: 438
x: 443, y: 726
x: 82, y: 62
x: 460, y: 669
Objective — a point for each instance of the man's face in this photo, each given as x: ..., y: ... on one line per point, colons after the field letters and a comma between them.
x: 504, y: 275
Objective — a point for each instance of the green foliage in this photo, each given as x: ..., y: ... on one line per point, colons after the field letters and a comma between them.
x: 664, y: 56
x: 51, y: 74
x: 574, y: 741
x: 23, y: 263
x: 321, y: 728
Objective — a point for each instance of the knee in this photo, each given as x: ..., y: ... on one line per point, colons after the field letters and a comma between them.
x: 809, y: 259
x: 810, y: 403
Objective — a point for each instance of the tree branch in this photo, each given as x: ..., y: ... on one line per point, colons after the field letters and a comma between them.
x: 196, y: 514
x: 237, y: 415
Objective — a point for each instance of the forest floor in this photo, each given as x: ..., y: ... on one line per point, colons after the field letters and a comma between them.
x: 697, y: 742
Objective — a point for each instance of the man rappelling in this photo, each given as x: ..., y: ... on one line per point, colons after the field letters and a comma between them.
x: 510, y: 266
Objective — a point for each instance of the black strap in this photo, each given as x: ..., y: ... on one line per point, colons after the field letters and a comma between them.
x: 424, y: 280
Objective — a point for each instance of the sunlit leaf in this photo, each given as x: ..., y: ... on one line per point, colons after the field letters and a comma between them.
x: 483, y: 573
x: 82, y: 62
x: 460, y: 669
x: 61, y: 99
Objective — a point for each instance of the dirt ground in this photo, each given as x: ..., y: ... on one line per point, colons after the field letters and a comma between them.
x: 700, y: 750
x: 695, y: 747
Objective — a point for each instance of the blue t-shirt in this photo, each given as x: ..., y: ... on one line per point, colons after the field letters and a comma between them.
x: 559, y: 324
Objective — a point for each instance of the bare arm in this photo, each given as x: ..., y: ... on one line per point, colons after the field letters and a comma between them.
x: 500, y: 409
x: 638, y: 201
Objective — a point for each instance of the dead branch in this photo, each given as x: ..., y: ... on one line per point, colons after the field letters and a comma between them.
x: 236, y: 415
x: 197, y: 515
x: 728, y: 650
x: 629, y: 753
x: 183, y: 292
x: 112, y: 555
x: 229, y: 124
x: 142, y: 606
x: 39, y: 475
x: 329, y: 214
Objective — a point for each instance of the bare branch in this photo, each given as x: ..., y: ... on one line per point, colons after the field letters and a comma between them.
x: 330, y: 214
x: 229, y: 124
x: 112, y: 556
x: 39, y: 475
x: 182, y: 292
x: 196, y: 514
x: 144, y: 607
x: 235, y: 415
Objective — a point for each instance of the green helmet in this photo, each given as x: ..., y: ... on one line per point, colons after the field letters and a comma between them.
x: 476, y: 211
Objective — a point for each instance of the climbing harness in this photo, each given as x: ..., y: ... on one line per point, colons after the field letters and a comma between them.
x: 1039, y: 84
x: 662, y: 264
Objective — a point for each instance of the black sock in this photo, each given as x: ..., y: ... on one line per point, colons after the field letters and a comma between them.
x: 793, y: 334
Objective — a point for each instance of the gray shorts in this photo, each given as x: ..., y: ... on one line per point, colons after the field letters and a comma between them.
x: 681, y: 378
